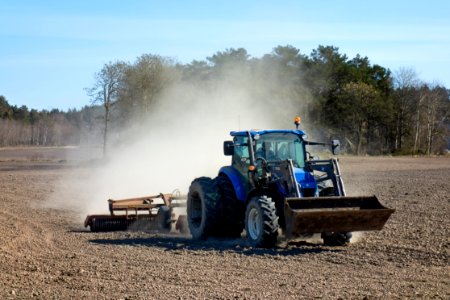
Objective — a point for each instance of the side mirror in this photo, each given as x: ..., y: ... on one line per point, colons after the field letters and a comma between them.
x: 228, y: 148
x: 335, y: 147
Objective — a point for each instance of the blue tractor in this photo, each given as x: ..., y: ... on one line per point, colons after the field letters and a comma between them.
x: 275, y: 185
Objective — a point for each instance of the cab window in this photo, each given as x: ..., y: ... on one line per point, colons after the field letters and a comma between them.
x: 281, y: 146
x: 241, y: 153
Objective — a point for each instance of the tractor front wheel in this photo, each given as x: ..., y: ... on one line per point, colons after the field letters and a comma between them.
x: 336, y: 238
x: 261, y: 222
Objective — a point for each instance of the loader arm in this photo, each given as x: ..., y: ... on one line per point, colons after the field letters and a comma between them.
x: 335, y: 212
x: 328, y: 170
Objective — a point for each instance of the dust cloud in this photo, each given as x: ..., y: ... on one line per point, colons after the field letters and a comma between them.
x: 180, y: 139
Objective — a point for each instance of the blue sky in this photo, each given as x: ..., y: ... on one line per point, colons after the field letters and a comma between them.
x: 50, y: 50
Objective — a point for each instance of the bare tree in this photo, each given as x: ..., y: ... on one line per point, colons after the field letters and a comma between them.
x: 406, y: 83
x: 105, y: 91
x: 417, y: 127
x: 406, y: 77
x: 437, y: 106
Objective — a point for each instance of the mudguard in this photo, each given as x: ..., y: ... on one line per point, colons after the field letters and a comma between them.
x: 234, y: 177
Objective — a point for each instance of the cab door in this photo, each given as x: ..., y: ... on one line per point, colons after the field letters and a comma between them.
x: 241, y: 159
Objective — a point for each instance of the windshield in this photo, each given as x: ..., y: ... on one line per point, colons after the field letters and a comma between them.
x: 281, y: 146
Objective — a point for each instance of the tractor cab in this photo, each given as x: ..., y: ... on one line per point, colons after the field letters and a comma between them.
x: 268, y: 157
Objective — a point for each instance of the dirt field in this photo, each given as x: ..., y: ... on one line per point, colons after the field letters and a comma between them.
x: 46, y: 253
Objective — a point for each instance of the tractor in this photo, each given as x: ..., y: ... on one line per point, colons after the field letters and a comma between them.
x: 275, y: 185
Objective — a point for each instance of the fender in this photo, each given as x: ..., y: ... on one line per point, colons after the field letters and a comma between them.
x: 234, y: 177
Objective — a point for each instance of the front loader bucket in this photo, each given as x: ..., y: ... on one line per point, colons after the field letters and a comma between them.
x: 334, y: 214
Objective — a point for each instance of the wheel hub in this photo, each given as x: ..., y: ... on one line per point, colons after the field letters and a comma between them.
x: 254, y: 224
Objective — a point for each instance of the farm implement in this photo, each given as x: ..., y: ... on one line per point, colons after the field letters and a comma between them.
x: 149, y: 212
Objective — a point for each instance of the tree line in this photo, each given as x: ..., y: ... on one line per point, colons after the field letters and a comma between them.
x: 20, y: 126
x: 370, y: 109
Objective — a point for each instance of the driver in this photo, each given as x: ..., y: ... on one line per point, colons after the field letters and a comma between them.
x: 266, y: 151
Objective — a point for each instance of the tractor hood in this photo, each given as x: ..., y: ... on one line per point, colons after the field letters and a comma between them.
x: 306, y: 181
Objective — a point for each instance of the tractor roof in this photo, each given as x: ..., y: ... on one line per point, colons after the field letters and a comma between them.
x: 261, y: 132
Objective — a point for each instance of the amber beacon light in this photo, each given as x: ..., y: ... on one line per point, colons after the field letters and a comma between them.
x: 297, y: 121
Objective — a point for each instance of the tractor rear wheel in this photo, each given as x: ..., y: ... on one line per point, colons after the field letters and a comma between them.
x: 261, y: 222
x: 203, y: 208
x: 233, y: 210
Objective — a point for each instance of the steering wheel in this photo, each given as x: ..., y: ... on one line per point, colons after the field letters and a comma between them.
x: 263, y: 162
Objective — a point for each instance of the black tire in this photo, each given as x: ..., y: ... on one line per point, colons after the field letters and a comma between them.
x: 232, y: 223
x: 336, y: 238
x: 164, y: 219
x: 203, y: 208
x: 333, y: 238
x: 261, y: 222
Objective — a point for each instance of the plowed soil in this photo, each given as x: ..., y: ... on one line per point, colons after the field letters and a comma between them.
x: 46, y: 253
